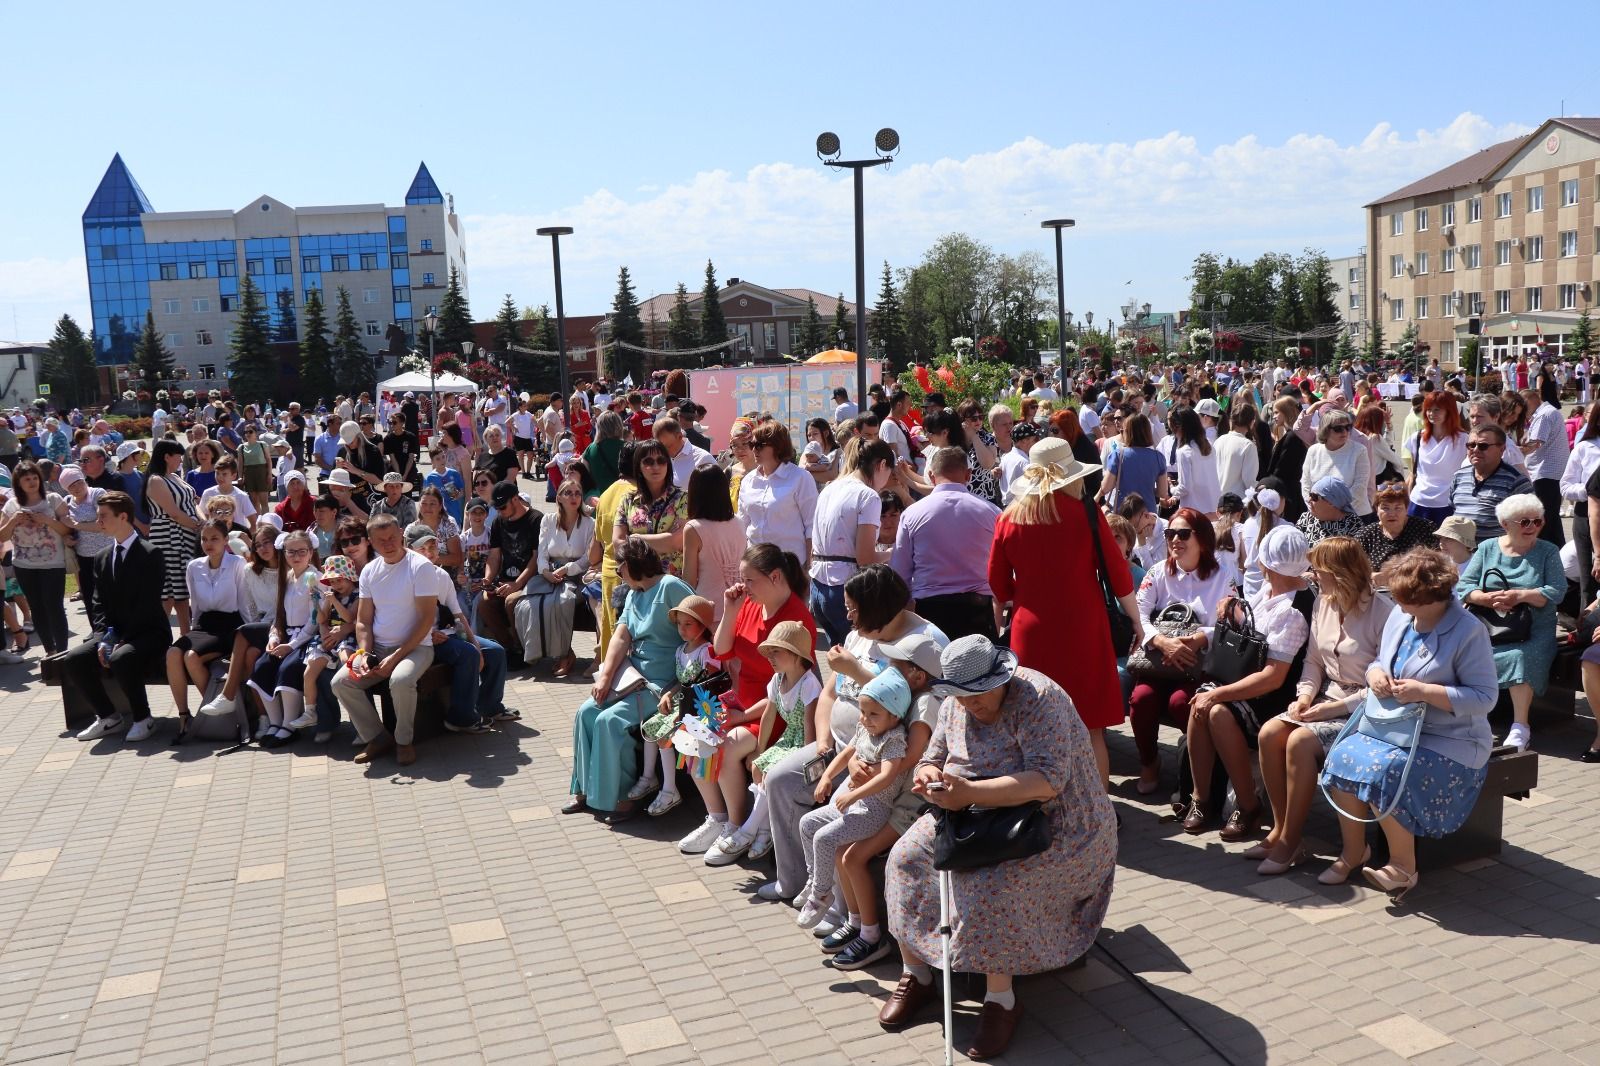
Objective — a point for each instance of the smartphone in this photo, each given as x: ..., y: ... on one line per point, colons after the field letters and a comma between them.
x: 936, y: 786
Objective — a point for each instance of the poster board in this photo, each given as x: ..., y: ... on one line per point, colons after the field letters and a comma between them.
x: 794, y: 394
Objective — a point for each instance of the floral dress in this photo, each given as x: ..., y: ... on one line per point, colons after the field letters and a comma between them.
x: 666, y: 514
x: 1315, y: 529
x: 692, y: 666
x: 1028, y: 915
x: 791, y: 707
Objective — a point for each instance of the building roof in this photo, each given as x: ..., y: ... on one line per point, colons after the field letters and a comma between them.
x: 661, y: 305
x: 118, y: 198
x: 1481, y: 165
x: 423, y: 188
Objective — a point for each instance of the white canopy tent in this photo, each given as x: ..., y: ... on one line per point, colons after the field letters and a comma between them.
x: 416, y: 380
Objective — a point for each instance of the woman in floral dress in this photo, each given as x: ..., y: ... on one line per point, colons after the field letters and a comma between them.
x: 656, y: 510
x: 1006, y: 735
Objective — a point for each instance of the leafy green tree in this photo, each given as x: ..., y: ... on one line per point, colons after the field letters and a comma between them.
x: 1024, y: 290
x: 252, y: 371
x: 844, y: 334
x: 1468, y: 359
x: 68, y: 366
x: 813, y: 337
x: 455, y: 317
x: 713, y: 324
x: 151, y: 358
x: 918, y: 316
x: 886, y: 326
x: 683, y: 331
x: 352, y: 362
x: 317, y: 380
x: 626, y: 327
x: 507, y: 327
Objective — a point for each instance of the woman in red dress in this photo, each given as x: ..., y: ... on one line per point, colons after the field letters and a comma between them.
x: 1044, y: 562
x: 579, y: 421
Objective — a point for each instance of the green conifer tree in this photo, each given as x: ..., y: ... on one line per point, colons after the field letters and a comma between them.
x: 251, y: 369
x: 455, y: 317
x: 68, y: 366
x: 151, y: 358
x: 317, y: 379
x: 713, y: 325
x: 352, y: 363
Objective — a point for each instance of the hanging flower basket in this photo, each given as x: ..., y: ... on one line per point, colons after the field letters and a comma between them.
x: 1200, y: 340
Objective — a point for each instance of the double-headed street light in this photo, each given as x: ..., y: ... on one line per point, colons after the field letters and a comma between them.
x: 1062, y: 318
x: 887, y: 142
x: 1214, y: 306
x: 555, y: 233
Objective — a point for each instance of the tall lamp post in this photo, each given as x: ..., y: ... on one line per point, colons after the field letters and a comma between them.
x: 555, y: 233
x: 887, y: 142
x: 431, y: 320
x: 1214, y: 306
x: 1062, y: 318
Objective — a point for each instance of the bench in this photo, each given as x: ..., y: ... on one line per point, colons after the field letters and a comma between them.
x: 1558, y: 704
x: 1512, y: 774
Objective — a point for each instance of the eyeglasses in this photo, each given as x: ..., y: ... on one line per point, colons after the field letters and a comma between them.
x: 1530, y: 523
x: 297, y: 551
x: 1482, y: 446
x: 1179, y: 534
x: 1312, y: 497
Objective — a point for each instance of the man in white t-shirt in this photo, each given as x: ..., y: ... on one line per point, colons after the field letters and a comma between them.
x: 1023, y: 437
x: 681, y: 452
x: 394, y: 625
x: 844, y: 535
x: 553, y: 423
x: 843, y: 408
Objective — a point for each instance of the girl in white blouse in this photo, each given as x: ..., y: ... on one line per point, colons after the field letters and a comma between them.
x: 216, y: 596
x: 279, y: 672
x: 544, y: 615
x: 777, y: 500
x: 1199, y: 486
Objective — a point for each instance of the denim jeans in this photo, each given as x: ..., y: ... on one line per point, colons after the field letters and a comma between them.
x: 827, y: 607
x: 474, y: 694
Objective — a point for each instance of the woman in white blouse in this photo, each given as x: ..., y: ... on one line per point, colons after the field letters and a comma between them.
x: 1192, y: 575
x: 777, y: 500
x: 1436, y: 453
x: 1335, y: 455
x: 544, y: 615
x: 279, y: 672
x: 1199, y: 486
x: 216, y: 600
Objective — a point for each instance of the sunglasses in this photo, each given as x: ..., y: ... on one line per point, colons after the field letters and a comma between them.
x: 1481, y: 446
x: 1338, y: 429
x: 345, y: 542
x: 482, y: 484
x: 1179, y: 534
x: 653, y: 460
x: 1530, y: 523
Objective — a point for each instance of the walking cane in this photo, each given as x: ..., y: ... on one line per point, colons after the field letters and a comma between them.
x: 944, y: 935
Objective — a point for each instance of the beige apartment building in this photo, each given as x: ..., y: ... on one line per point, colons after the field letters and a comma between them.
x: 1507, y: 235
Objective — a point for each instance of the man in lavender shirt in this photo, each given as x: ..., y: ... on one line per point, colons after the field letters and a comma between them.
x: 942, y: 550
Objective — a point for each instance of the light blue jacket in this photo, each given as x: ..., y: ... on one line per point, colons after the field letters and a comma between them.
x: 1457, y: 655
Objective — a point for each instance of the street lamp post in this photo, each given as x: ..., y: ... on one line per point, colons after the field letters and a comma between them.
x: 887, y: 142
x: 431, y: 320
x: 555, y: 233
x: 1062, y: 318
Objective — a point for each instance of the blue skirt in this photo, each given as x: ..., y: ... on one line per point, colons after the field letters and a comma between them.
x: 1439, y: 795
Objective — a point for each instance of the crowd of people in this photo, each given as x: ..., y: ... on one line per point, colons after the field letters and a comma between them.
x: 922, y: 608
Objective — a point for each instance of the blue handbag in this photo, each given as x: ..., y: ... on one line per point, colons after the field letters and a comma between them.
x: 1385, y: 719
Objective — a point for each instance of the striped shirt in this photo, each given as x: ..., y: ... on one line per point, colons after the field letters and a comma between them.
x: 1477, y: 500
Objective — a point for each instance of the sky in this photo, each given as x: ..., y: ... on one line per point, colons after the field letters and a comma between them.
x: 669, y: 134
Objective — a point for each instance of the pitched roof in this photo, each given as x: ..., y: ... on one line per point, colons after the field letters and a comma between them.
x: 1481, y: 165
x: 423, y: 189
x: 118, y: 196
x: 662, y: 304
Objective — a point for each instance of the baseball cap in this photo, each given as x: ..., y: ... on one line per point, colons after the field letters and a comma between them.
x: 503, y: 493
x: 417, y: 533
x: 919, y: 649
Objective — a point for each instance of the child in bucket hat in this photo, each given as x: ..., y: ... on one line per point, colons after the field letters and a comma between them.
x: 336, y: 632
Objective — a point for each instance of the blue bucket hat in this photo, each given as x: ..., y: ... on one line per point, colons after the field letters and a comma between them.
x: 891, y: 691
x: 1333, y: 490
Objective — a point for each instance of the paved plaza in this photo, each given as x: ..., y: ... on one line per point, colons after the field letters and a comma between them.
x: 162, y: 906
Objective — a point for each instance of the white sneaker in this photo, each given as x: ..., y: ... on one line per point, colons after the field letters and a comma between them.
x: 101, y: 727
x: 141, y: 730
x: 727, y: 850
x: 816, y: 907
x: 703, y: 837
x: 1519, y: 736
x: 305, y: 721
x: 10, y: 658
x: 220, y: 706
x: 772, y: 892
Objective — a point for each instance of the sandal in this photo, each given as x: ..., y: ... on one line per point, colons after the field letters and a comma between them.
x: 664, y: 802
x: 182, y: 735
x: 1339, y: 872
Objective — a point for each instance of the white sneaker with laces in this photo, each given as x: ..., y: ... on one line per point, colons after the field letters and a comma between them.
x: 305, y: 721
x: 141, y: 730
x: 10, y: 658
x: 1519, y: 736
x: 727, y: 850
x: 220, y: 706
x: 101, y: 727
x: 702, y: 837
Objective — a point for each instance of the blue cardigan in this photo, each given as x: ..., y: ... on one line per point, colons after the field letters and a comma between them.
x: 1457, y: 655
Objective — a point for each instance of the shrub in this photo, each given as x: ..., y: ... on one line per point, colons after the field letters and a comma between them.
x: 130, y: 428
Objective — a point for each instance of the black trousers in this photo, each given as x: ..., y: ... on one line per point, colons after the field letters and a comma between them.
x: 1548, y: 489
x: 86, y: 580
x: 1580, y: 537
x: 85, y: 683
x: 46, y: 591
x: 960, y: 613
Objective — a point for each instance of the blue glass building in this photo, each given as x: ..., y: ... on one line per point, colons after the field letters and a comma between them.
x: 184, y: 266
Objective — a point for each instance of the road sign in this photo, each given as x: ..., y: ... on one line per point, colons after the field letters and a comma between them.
x: 44, y: 390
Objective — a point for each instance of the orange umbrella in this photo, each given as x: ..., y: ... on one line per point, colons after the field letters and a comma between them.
x: 832, y: 355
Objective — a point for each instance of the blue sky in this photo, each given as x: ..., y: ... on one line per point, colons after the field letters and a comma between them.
x: 669, y: 134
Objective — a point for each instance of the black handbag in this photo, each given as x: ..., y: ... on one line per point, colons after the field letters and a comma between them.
x: 1148, y: 664
x: 1505, y: 627
x: 975, y: 837
x: 1121, y: 624
x: 1237, y: 650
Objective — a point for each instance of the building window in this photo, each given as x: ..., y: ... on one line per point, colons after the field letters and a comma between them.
x: 1447, y: 214
x: 1536, y: 198
x: 1569, y: 193
x: 310, y: 264
x: 1355, y: 275
x: 1397, y: 310
x: 1397, y: 224
x: 169, y: 271
x: 1472, y: 254
x: 1475, y: 209
x: 202, y: 337
x: 1447, y: 351
x: 208, y: 370
x: 425, y: 245
x: 373, y: 329
x: 282, y: 266
x: 229, y: 303
x: 174, y: 340
x: 1533, y: 249
x: 1502, y: 253
x: 1569, y: 243
x: 197, y: 270
x: 310, y: 293
x: 402, y: 294
x: 1422, y: 307
x: 369, y: 261
x: 1422, y: 262
x: 1447, y: 260
x: 1502, y: 205
x: 399, y: 260
x: 252, y: 267
x: 227, y: 268
x: 1474, y: 303
x: 170, y: 307
x: 1502, y: 301
x: 1535, y: 298
x: 427, y: 279
x: 341, y: 263
x: 1397, y: 266
x: 769, y: 336
x: 201, y: 305
x: 1569, y: 297
x: 1422, y: 219
x: 369, y: 296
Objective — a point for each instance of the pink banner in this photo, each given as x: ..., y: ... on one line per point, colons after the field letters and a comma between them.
x: 792, y: 394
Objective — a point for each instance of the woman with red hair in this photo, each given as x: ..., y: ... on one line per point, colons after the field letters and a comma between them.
x: 1068, y: 428
x: 1436, y: 453
x: 1193, y: 575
